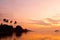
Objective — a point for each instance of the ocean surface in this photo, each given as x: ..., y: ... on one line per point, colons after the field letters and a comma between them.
x: 33, y: 36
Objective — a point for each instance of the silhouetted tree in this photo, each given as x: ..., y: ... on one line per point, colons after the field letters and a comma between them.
x: 6, y: 28
x: 5, y: 20
x: 15, y: 22
x: 18, y: 29
x: 10, y: 21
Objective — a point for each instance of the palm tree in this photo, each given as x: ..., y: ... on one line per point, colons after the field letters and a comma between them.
x: 15, y: 22
x: 10, y: 21
x: 5, y: 20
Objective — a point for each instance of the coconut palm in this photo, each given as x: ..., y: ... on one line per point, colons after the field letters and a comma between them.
x: 10, y: 21
x: 5, y: 20
x: 15, y: 22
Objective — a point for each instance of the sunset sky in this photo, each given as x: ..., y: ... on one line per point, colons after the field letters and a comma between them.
x: 32, y: 13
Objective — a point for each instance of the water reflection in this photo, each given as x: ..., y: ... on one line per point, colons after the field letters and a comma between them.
x: 30, y: 36
x: 5, y: 35
x: 19, y: 34
x: 11, y: 36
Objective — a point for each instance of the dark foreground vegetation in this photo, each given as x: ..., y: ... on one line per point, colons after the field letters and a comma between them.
x: 8, y: 30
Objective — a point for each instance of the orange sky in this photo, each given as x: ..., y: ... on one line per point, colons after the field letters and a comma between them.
x: 32, y: 13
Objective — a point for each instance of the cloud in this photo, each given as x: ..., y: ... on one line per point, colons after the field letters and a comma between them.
x: 46, y: 21
x: 40, y: 22
x: 52, y: 20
